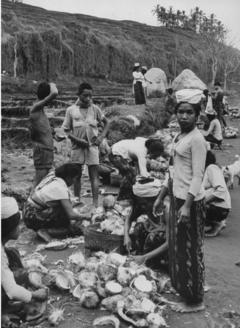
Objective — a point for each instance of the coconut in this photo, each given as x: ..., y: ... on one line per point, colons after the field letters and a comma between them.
x: 35, y: 279
x: 107, y: 272
x: 116, y: 259
x: 148, y: 305
x: 142, y: 284
x: 92, y: 264
x: 125, y: 275
x: 108, y: 202
x: 87, y: 279
x: 77, y: 259
x: 89, y: 299
x: 155, y: 320
x: 64, y: 279
x: 107, y: 320
x: 110, y: 303
x: 113, y: 288
x: 55, y: 316
x: 34, y: 265
x: 77, y: 292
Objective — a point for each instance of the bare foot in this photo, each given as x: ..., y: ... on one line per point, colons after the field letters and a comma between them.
x: 185, y: 308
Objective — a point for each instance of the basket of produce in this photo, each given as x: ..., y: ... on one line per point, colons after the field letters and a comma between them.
x: 98, y: 240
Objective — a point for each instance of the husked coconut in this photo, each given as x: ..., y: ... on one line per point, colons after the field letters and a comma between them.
x: 77, y: 292
x: 113, y: 288
x: 110, y: 303
x: 78, y: 259
x: 156, y: 321
x: 125, y: 275
x: 107, y: 272
x: 142, y: 284
x: 116, y: 259
x: 64, y: 279
x: 107, y: 320
x: 92, y: 264
x: 87, y: 279
x: 35, y: 279
x: 108, y: 202
x: 89, y: 299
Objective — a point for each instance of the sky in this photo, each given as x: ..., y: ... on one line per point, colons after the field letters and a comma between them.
x: 228, y: 11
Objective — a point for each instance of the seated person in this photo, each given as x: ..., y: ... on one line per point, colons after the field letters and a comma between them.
x: 13, y: 275
x: 48, y: 210
x: 149, y: 238
x: 214, y: 132
x: 125, y: 153
x: 218, y: 200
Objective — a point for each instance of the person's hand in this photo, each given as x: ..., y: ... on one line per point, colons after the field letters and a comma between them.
x: 158, y: 207
x: 40, y: 294
x: 139, y: 259
x: 97, y: 141
x: 127, y: 243
x: 53, y: 89
x: 184, y: 214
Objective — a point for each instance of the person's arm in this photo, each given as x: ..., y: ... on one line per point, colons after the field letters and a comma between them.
x: 100, y: 137
x: 158, y: 204
x: 198, y: 150
x: 15, y: 291
x: 67, y: 205
x: 41, y: 103
x: 142, y: 164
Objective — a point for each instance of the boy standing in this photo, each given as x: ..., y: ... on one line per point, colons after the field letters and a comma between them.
x: 41, y: 132
x: 81, y: 124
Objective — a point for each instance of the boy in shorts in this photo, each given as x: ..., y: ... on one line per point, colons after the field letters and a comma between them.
x: 81, y: 124
x: 41, y: 132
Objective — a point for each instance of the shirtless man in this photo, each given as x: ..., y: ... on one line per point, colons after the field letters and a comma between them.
x: 41, y: 132
x: 81, y: 125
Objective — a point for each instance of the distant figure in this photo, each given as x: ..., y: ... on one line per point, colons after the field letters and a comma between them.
x: 41, y: 132
x: 138, y: 81
x: 217, y: 197
x: 81, y: 124
x: 144, y: 84
x: 214, y: 132
x: 218, y: 102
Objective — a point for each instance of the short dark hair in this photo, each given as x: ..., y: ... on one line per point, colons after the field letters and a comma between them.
x: 170, y: 91
x: 206, y: 92
x: 196, y: 107
x: 84, y: 86
x: 210, y: 158
x: 155, y: 147
x: 217, y: 84
x: 43, y: 90
x: 68, y: 170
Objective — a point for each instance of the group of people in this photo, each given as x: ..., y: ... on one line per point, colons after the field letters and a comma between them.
x: 193, y: 194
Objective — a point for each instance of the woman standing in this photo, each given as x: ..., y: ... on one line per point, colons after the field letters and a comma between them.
x: 186, y: 218
x: 138, y: 80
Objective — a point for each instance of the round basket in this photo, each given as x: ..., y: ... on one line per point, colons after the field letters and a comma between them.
x: 102, y: 241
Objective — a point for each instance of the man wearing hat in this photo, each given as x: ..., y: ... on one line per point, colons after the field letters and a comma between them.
x: 138, y: 80
x: 10, y: 258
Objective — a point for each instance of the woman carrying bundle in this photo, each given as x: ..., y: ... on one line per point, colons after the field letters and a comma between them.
x: 187, y: 211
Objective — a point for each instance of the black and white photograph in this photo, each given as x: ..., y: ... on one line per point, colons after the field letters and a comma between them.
x: 120, y: 163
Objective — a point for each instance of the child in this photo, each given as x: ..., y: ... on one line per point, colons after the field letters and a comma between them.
x: 13, y: 275
x: 41, y: 131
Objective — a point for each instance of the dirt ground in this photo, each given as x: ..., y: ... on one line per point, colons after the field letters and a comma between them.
x: 221, y: 253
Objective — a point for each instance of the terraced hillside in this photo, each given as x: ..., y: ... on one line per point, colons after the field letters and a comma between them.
x: 37, y: 44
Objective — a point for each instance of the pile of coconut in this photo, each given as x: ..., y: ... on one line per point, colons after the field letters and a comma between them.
x: 115, y: 283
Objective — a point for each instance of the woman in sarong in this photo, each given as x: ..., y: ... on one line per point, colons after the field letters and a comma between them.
x: 138, y: 80
x: 187, y: 212
x: 48, y: 210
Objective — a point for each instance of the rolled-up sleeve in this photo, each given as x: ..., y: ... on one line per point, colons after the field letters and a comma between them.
x: 199, y: 151
x: 9, y: 285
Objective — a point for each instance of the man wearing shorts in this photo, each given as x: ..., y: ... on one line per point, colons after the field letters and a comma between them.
x: 81, y: 124
x: 41, y: 132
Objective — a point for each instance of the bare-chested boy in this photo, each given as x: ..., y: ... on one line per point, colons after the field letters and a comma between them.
x: 41, y: 132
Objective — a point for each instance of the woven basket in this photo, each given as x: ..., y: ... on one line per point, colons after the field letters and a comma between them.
x: 102, y: 241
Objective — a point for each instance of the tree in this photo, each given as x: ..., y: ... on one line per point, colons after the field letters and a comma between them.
x: 230, y: 62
